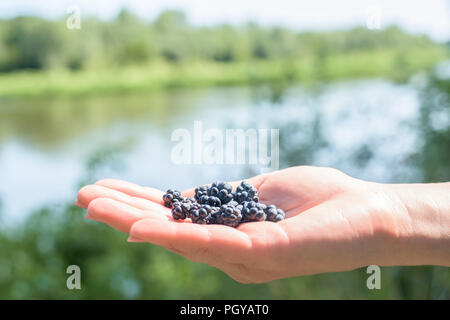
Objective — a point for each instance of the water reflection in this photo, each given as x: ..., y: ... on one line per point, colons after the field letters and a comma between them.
x: 50, y: 123
x: 371, y: 129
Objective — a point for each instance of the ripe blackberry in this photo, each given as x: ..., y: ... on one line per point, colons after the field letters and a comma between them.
x: 274, y: 214
x: 201, y: 191
x: 229, y: 215
x: 253, y: 211
x: 203, y: 214
x: 246, y: 192
x: 172, y: 196
x: 181, y: 209
x: 217, y: 204
x: 221, y: 190
x: 233, y: 203
x: 177, y: 211
x: 211, y: 200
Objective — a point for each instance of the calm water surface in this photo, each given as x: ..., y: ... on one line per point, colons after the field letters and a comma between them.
x: 362, y: 127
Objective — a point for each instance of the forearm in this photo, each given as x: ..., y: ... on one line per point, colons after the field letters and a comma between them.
x: 426, y: 236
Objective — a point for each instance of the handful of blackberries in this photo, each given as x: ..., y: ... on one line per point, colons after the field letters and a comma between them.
x: 218, y: 204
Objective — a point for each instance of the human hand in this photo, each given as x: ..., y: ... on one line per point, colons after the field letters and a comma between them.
x: 333, y: 223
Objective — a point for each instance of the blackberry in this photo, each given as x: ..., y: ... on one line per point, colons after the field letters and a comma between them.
x: 274, y: 214
x: 246, y: 192
x: 177, y: 211
x: 218, y: 204
x: 253, y: 211
x: 201, y: 191
x: 172, y: 196
x: 233, y: 203
x: 221, y: 190
x: 181, y: 209
x: 211, y: 200
x: 229, y: 215
x: 203, y: 214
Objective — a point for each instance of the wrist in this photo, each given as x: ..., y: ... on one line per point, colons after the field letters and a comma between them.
x: 421, y: 234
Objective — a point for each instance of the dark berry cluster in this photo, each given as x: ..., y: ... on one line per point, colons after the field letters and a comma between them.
x: 246, y: 192
x: 221, y: 190
x: 172, y: 196
x: 229, y: 215
x: 274, y: 214
x: 203, y: 214
x: 218, y: 204
x: 253, y: 211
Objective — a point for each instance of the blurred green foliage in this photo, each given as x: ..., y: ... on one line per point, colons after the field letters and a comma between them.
x: 128, y: 54
x: 434, y: 156
x: 35, y: 43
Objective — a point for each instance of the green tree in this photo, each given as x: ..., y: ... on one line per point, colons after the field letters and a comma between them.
x: 36, y: 43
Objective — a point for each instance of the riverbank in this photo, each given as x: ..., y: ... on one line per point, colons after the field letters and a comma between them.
x: 393, y: 64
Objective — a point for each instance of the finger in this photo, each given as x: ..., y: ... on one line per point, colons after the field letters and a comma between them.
x: 201, y: 242
x: 91, y: 192
x: 118, y: 215
x: 132, y: 189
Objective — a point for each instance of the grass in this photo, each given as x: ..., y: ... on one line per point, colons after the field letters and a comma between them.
x: 394, y: 64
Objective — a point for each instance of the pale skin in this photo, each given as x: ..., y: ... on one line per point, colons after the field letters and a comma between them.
x: 333, y: 223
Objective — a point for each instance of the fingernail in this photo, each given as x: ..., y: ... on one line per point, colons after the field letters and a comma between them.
x: 131, y: 239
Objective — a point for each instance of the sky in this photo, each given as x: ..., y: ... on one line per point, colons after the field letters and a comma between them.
x: 431, y: 17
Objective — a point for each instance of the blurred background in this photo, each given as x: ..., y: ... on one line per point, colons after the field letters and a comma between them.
x: 360, y: 86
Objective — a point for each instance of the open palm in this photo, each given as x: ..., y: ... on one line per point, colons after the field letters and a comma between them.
x: 333, y: 223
